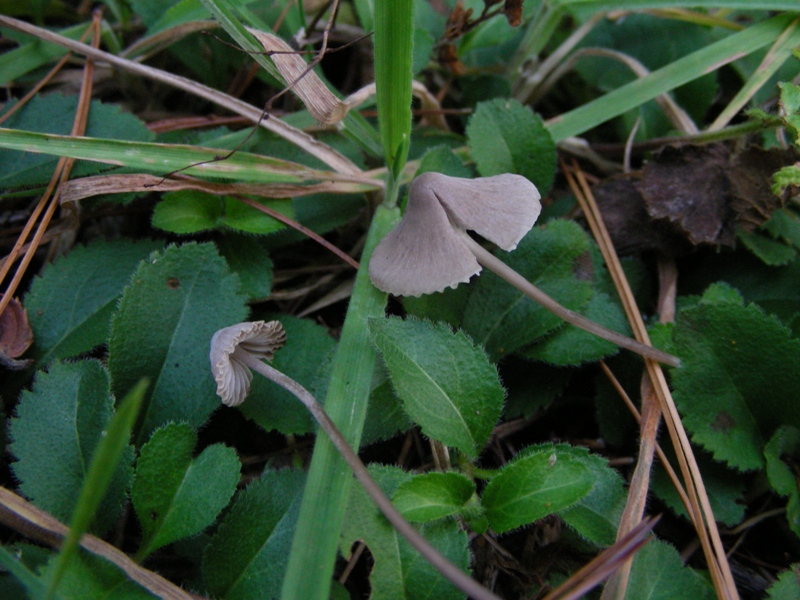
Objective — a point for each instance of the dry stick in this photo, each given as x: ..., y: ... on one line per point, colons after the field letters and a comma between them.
x: 662, y: 457
x: 455, y: 575
x: 23, y: 517
x: 700, y: 512
x: 501, y: 269
x: 60, y: 175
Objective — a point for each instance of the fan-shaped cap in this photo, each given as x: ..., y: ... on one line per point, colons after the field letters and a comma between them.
x: 426, y: 252
x: 232, y: 376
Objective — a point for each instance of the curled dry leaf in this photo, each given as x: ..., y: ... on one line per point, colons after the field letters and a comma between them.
x: 15, y: 335
x: 319, y: 100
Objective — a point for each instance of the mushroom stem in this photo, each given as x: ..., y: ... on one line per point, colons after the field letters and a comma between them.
x: 455, y: 575
x: 502, y: 270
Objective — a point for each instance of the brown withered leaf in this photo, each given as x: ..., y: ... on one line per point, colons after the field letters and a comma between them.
x: 631, y: 228
x: 513, y: 11
x: 750, y: 174
x: 691, y: 195
x: 688, y: 187
x: 457, y: 21
x: 15, y: 335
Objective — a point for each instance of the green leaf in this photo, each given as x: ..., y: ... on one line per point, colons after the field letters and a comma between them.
x: 537, y: 483
x: 785, y: 177
x: 308, y: 345
x: 54, y: 113
x: 431, y: 496
x: 771, y: 252
x: 658, y: 573
x: 249, y: 259
x: 243, y: 217
x: 187, y: 211
x: 90, y: 577
x: 442, y: 159
x: 385, y: 416
x: 447, y: 306
x: 22, y: 573
x: 790, y: 97
x: 787, y: 587
x: 596, y: 515
x: 176, y: 496
x: 105, y: 463
x: 58, y: 427
x: 399, y: 572
x: 503, y: 319
x: 447, y: 385
x: 176, y: 301
x: 782, y: 477
x: 68, y: 319
x: 506, y: 137
x: 740, y: 375
x: 571, y: 346
x: 784, y: 224
x: 247, y: 556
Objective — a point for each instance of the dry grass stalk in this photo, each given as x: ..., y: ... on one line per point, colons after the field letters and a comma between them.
x: 700, y: 509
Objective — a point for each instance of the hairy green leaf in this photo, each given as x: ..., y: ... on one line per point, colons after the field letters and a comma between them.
x: 249, y: 259
x: 70, y: 305
x: 431, y: 496
x: 58, y: 426
x: 658, y: 573
x: 740, y: 375
x: 503, y: 319
x: 782, y: 448
x: 174, y: 495
x: 787, y: 587
x: 175, y: 302
x: 538, y: 482
x: 447, y: 385
x: 399, y: 573
x: 187, y: 211
x: 571, y: 346
x: 247, y: 556
x: 596, y: 515
x: 90, y: 577
x: 506, y: 137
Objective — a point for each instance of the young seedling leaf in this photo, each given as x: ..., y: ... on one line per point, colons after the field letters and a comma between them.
x: 658, y: 572
x: 175, y: 302
x: 447, y: 385
x: 740, y: 376
x: 535, y: 485
x: 571, y: 346
x: 247, y: 556
x: 506, y: 137
x: 308, y: 346
x: 68, y: 319
x: 782, y: 448
x: 59, y: 425
x: 399, y: 571
x: 502, y: 318
x: 431, y: 496
x: 176, y: 496
x: 596, y: 515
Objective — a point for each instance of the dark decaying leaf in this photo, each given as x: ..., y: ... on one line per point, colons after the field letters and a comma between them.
x: 690, y: 195
x: 15, y: 335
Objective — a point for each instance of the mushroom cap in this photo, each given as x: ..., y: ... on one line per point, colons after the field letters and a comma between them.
x: 232, y: 376
x: 426, y: 253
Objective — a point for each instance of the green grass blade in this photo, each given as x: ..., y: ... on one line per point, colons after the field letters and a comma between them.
x: 165, y: 158
x: 316, y: 539
x: 394, y: 33
x: 102, y: 468
x: 229, y: 18
x: 675, y: 74
x: 28, y: 57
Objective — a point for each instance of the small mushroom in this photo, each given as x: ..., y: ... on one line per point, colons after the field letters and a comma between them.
x: 227, y: 346
x: 430, y: 250
x: 237, y: 349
